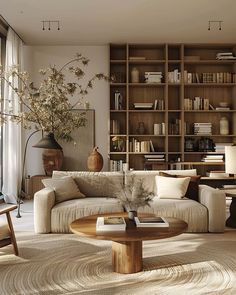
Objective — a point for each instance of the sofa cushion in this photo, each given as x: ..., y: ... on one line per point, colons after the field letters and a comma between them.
x: 192, y: 212
x: 94, y: 184
x: 193, y: 187
x: 171, y: 188
x: 65, y: 188
x: 63, y: 214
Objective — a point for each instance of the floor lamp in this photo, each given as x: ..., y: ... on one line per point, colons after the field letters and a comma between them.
x: 47, y: 142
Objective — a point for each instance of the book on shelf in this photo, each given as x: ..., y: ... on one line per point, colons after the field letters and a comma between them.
x: 222, y: 108
x: 154, y: 156
x: 152, y: 146
x: 137, y: 58
x: 151, y: 222
x: 143, y: 105
x: 111, y: 223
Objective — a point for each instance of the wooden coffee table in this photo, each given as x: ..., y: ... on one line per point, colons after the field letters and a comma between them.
x: 127, y: 245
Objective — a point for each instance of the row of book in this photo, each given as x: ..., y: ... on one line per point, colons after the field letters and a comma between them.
x: 144, y: 146
x: 202, y: 128
x: 159, y: 128
x: 196, y: 103
x: 118, y: 223
x: 153, y: 77
x: 117, y: 165
x: 115, y: 127
x: 174, y: 76
x: 174, y: 127
x: 220, y: 77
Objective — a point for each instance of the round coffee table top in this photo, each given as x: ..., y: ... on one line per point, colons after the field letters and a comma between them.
x: 86, y: 226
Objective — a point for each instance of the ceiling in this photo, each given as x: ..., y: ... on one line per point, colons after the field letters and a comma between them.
x: 95, y: 22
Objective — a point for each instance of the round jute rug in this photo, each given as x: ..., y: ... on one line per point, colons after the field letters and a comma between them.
x: 67, y: 264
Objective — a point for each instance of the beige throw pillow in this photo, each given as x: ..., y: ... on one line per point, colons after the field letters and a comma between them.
x: 171, y: 188
x: 65, y: 188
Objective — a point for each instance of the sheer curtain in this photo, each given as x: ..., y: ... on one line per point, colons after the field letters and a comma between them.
x: 12, y: 152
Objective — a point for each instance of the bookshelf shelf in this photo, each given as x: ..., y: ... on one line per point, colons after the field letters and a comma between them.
x: 172, y: 62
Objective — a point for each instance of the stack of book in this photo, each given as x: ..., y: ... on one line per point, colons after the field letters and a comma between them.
x: 155, y: 158
x: 143, y: 105
x: 111, y: 223
x: 225, y: 55
x: 202, y: 128
x: 151, y: 222
x: 153, y: 77
x: 220, y: 146
x: 213, y: 159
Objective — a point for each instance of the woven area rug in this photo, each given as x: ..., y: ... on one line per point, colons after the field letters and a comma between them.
x: 67, y: 264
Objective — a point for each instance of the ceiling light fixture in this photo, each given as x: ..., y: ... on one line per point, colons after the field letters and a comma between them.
x: 211, y: 22
x: 49, y: 24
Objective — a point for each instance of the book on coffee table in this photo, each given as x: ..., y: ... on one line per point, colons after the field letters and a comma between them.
x: 151, y: 222
x: 110, y: 223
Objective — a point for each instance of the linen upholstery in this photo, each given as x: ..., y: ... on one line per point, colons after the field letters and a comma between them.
x: 65, y: 188
x: 207, y: 215
x: 94, y: 184
x: 193, y: 187
x: 214, y: 201
x: 171, y: 188
x: 63, y: 214
x: 188, y: 210
x: 44, y: 200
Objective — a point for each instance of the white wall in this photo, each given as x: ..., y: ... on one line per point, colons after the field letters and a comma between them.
x: 38, y: 57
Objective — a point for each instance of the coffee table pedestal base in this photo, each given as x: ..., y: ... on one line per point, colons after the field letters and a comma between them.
x: 127, y: 257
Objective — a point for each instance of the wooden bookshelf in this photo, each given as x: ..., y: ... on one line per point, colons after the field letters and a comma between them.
x: 167, y: 58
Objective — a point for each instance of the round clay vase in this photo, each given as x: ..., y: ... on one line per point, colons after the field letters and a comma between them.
x: 95, y: 161
x: 52, y: 160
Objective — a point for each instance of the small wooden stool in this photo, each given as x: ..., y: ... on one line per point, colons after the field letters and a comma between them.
x: 7, y: 235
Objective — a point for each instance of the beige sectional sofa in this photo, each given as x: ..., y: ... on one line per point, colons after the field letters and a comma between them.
x: 207, y: 215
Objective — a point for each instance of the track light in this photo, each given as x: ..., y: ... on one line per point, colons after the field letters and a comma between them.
x: 49, y: 24
x: 211, y: 22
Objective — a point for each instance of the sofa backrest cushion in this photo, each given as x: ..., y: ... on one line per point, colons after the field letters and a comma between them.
x: 105, y: 184
x: 193, y: 187
x: 95, y: 184
x: 172, y: 187
x: 65, y: 188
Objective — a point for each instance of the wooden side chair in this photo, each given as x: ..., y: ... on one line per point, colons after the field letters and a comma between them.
x: 7, y: 235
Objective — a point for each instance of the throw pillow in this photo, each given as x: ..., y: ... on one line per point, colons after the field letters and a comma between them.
x: 171, y: 188
x: 65, y: 188
x: 193, y: 187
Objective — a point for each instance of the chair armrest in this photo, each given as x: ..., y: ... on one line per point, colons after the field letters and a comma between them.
x: 44, y: 200
x: 7, y: 208
x: 214, y: 200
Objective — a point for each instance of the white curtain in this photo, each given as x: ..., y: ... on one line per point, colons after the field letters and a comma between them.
x: 12, y: 151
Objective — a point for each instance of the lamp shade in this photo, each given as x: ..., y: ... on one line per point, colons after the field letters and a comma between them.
x: 230, y: 159
x: 48, y: 142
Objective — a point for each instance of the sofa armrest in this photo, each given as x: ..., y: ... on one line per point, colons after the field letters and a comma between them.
x: 214, y: 200
x: 44, y: 200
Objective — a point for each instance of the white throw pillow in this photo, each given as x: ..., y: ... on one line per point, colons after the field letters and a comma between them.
x: 171, y: 188
x: 65, y: 188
